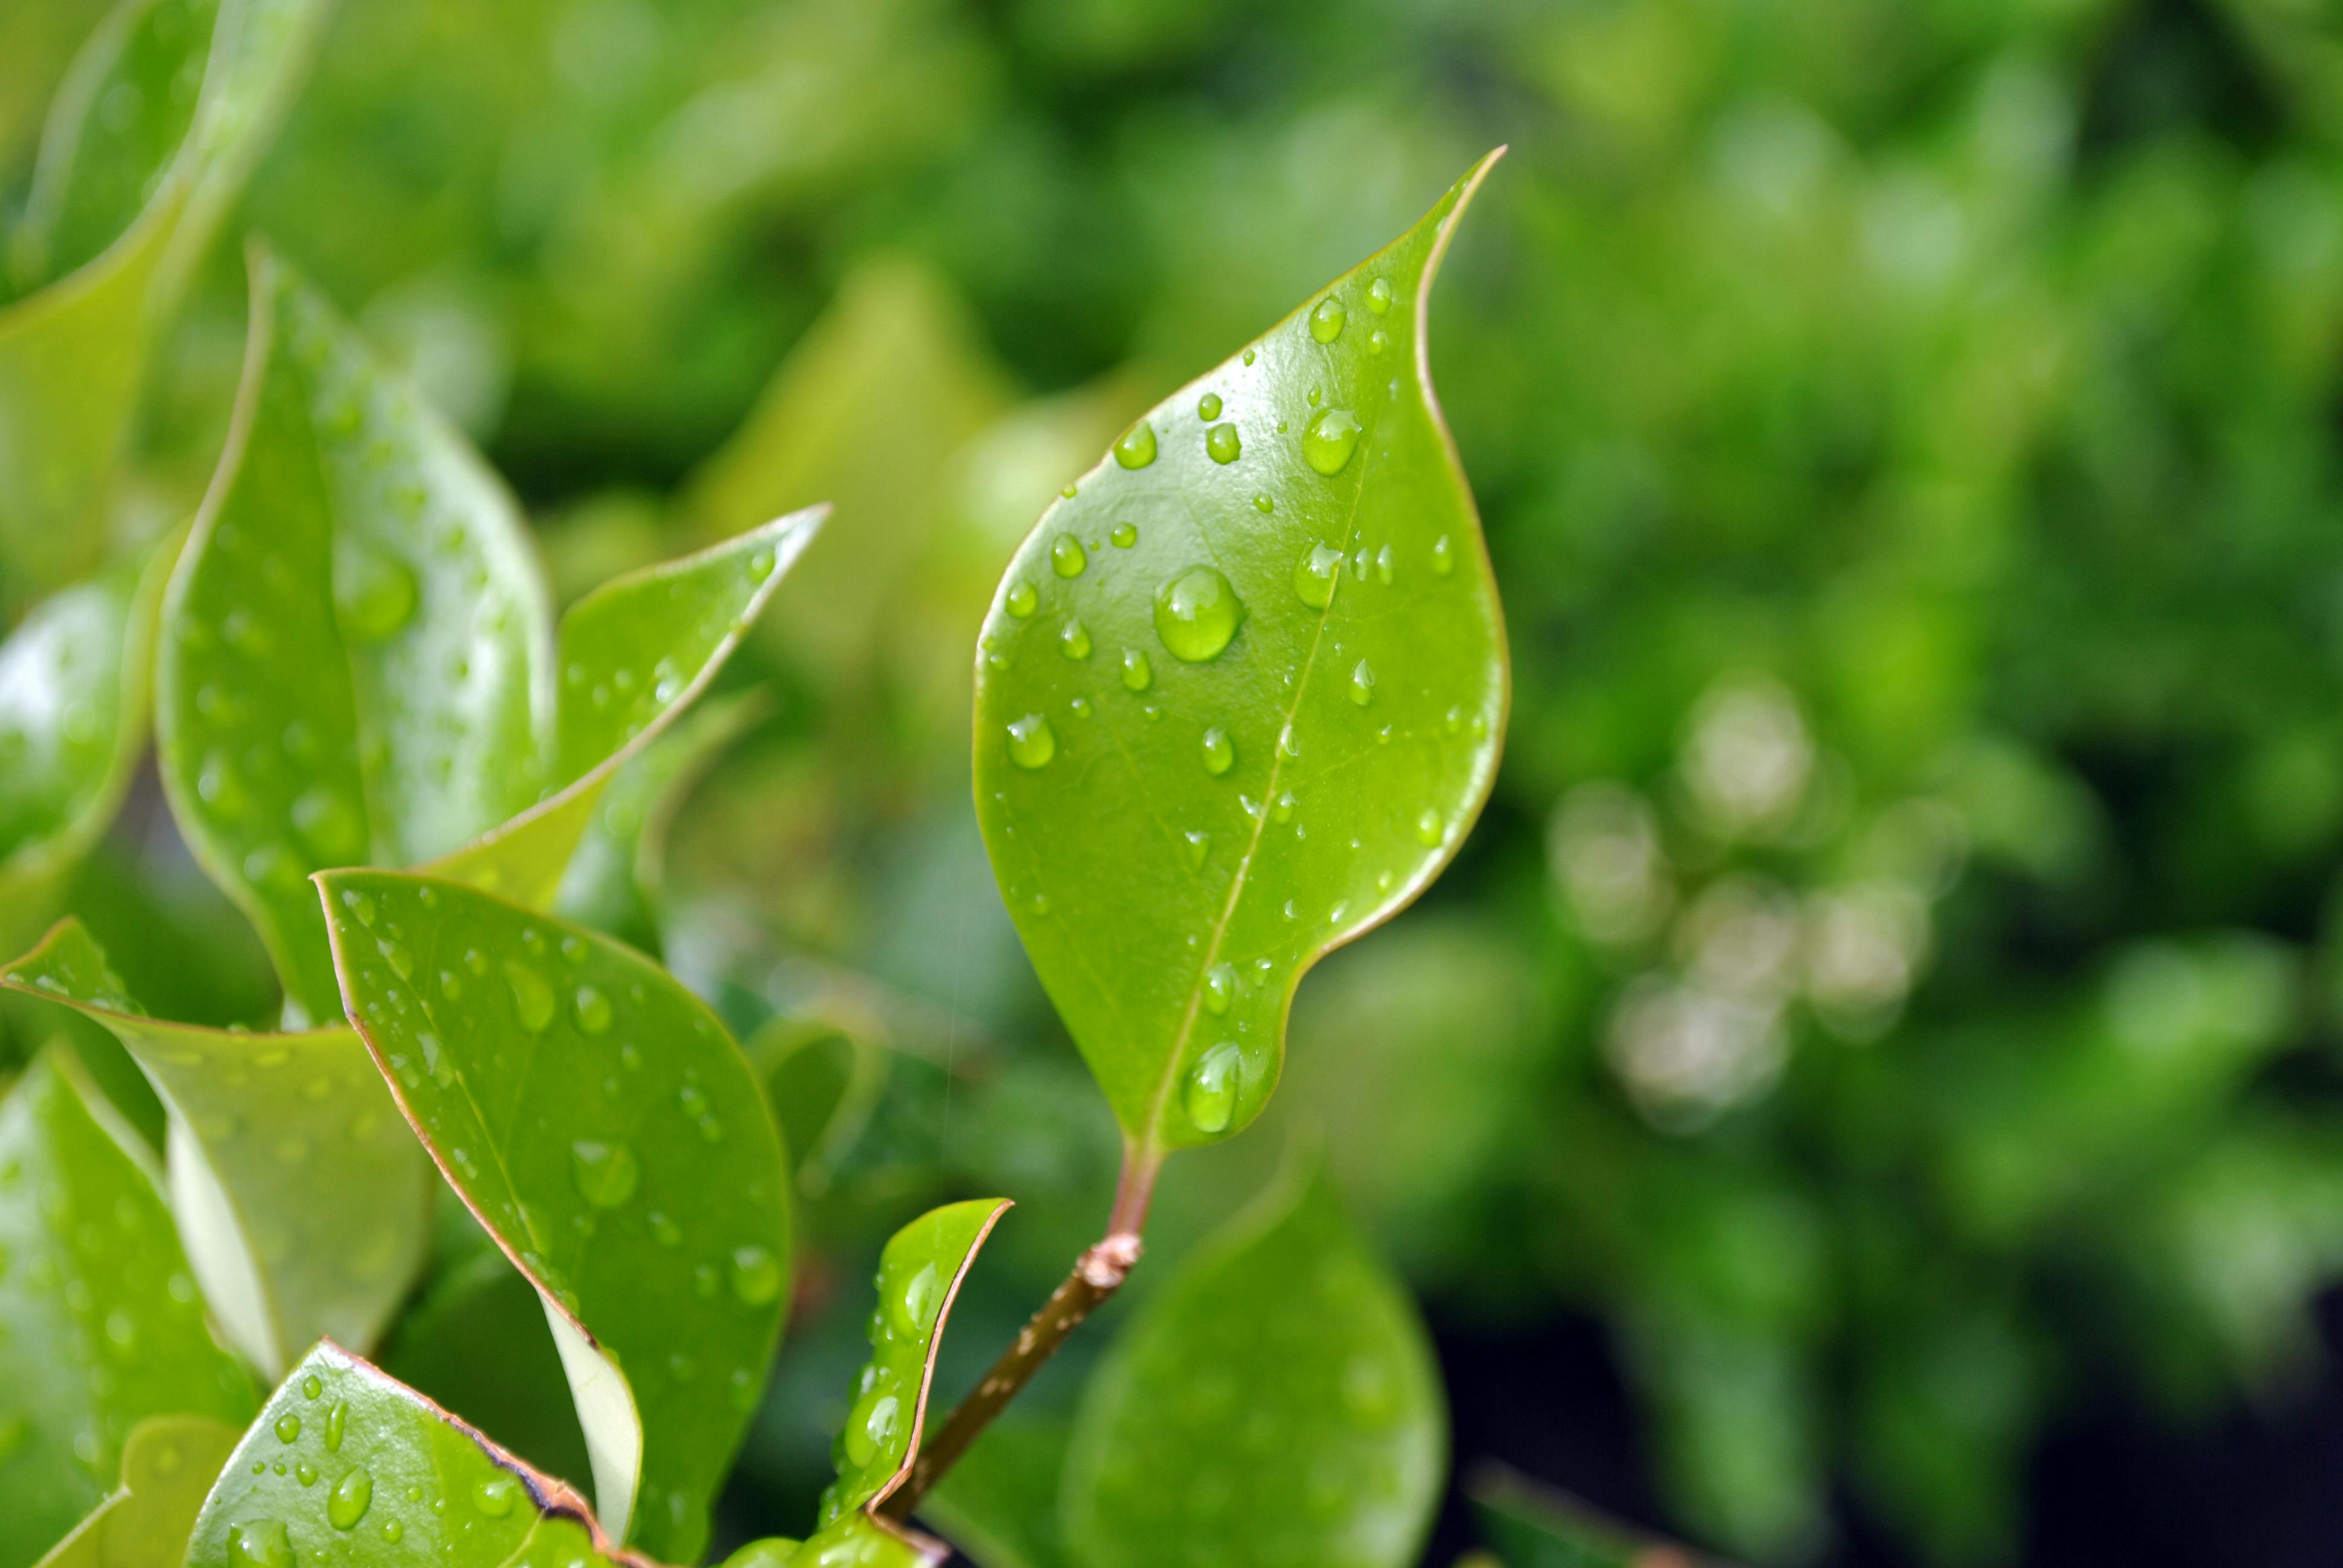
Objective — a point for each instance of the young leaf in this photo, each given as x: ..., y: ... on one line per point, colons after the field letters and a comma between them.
x: 356, y: 663
x: 606, y: 1131
x: 1000, y: 1502
x: 168, y: 1463
x: 105, y: 1326
x: 1277, y: 1403
x: 304, y: 1201
x: 919, y: 1276
x: 347, y: 1465
x: 123, y: 205
x: 1239, y: 696
x: 72, y: 724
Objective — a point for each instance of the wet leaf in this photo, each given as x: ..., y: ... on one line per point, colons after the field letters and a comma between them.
x: 1276, y: 1403
x: 857, y: 1541
x: 124, y: 203
x: 1239, y: 698
x: 73, y: 683
x: 356, y: 663
x: 919, y: 1274
x: 304, y: 1199
x: 105, y: 1325
x: 168, y: 1464
x: 606, y: 1132
x: 999, y: 1504
x: 346, y: 1464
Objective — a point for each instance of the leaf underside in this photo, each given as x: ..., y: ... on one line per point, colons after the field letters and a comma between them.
x: 1239, y: 695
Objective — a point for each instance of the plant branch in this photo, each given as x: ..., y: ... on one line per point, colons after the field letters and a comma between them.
x: 1097, y: 1274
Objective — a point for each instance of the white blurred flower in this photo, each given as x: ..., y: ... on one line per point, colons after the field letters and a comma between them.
x: 1602, y: 844
x: 1747, y: 757
x: 1864, y: 948
x: 1686, y: 1054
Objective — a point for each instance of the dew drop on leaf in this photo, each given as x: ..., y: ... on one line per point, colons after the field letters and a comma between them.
x: 1137, y: 447
x: 1219, y: 754
x: 913, y: 1308
x: 605, y: 1174
x: 1208, y: 407
x: 494, y: 1496
x: 1330, y: 440
x: 1326, y: 319
x: 352, y: 1495
x: 336, y: 1419
x: 1221, y: 444
x: 1210, y: 1094
x: 1443, y: 556
x: 1124, y: 536
x: 1031, y: 742
x: 288, y: 1427
x: 1020, y: 600
x: 1200, y: 843
x: 1196, y: 614
x: 1220, y: 988
x: 259, y: 1545
x: 1066, y: 557
x: 1314, y: 574
x: 1074, y: 640
x: 374, y: 592
x: 1138, y: 675
x: 1428, y: 827
x: 756, y: 1275
x: 1363, y: 684
x: 532, y: 998
x: 1378, y: 296
x: 592, y: 1009
x: 870, y: 1428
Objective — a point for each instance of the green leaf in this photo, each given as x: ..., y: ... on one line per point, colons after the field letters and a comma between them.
x: 857, y: 1541
x: 1531, y: 1526
x: 348, y: 1466
x: 606, y: 1132
x: 304, y: 1201
x: 168, y: 1464
x: 1240, y: 696
x: 73, y: 683
x: 105, y: 1327
x: 122, y: 208
x: 1276, y: 1403
x: 919, y: 1275
x: 1000, y: 1502
x: 356, y: 665
x: 824, y: 1072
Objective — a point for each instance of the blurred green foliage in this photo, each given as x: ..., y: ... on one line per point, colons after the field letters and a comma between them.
x: 1895, y: 986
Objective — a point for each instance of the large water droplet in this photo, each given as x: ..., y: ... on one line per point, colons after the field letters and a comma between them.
x: 1074, y: 640
x: 756, y: 1275
x: 1222, y: 445
x: 592, y: 1009
x: 352, y: 1495
x: 288, y: 1427
x: 1363, y: 684
x: 532, y: 998
x: 1031, y: 742
x: 1444, y: 558
x: 1332, y: 437
x: 1138, y: 675
x: 1137, y: 447
x: 259, y: 1545
x: 1314, y: 574
x: 336, y: 1419
x: 494, y: 1496
x: 1211, y: 1092
x: 1220, y: 988
x: 1020, y: 600
x: 1066, y: 557
x: 1326, y: 319
x: 871, y: 1427
x: 605, y: 1174
x: 1219, y: 754
x: 913, y: 1308
x: 1124, y: 535
x: 1196, y: 614
x: 1428, y: 829
x: 1378, y: 296
x: 374, y: 591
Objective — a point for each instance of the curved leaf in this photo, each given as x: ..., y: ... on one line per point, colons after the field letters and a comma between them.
x: 105, y: 1325
x: 123, y: 206
x: 73, y: 682
x: 168, y: 1464
x: 304, y: 1201
x: 604, y: 1128
x: 919, y: 1275
x: 1239, y: 696
x: 348, y: 1466
x: 1277, y: 1403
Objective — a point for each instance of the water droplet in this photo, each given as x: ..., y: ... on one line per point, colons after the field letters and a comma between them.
x: 359, y: 904
x: 1073, y: 640
x: 1332, y: 437
x: 605, y: 1174
x: 1208, y: 407
x: 1378, y: 340
x: 1031, y: 742
x: 1070, y: 490
x: 1220, y: 755
x: 1263, y: 503
x: 392, y: 1530
x: 494, y: 1496
x: 1428, y: 831
x: 1210, y: 1091
x: 1219, y: 986
x: 870, y: 1428
x: 336, y: 1419
x: 1081, y: 707
x: 1385, y: 566
x: 288, y: 1427
x: 1138, y: 675
x: 352, y: 1495
x: 1248, y: 356
x: 1289, y: 744
x: 1282, y: 808
x: 1020, y: 600
x: 1363, y: 684
x: 1314, y: 574
x: 1196, y: 614
x: 756, y: 1275
x: 401, y: 961
x: 1199, y: 844
x: 532, y: 998
x: 374, y: 592
x: 1124, y: 535
x: 1378, y: 296
x: 1326, y: 319
x: 1221, y: 444
x: 1444, y: 558
x: 1066, y: 557
x: 592, y: 1008
x: 311, y: 1388
x: 1137, y: 447
x: 259, y: 1545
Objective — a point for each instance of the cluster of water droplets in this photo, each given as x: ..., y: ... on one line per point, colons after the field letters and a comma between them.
x: 877, y: 1435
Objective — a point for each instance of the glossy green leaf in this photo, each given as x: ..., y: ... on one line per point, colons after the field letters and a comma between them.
x: 168, y: 1464
x: 606, y: 1132
x: 124, y: 205
x: 1530, y: 1526
x: 73, y: 683
x: 857, y: 1541
x: 1239, y: 696
x: 357, y: 666
x: 999, y: 1504
x: 1276, y: 1403
x: 304, y: 1199
x: 105, y: 1325
x: 919, y: 1274
x: 348, y: 1466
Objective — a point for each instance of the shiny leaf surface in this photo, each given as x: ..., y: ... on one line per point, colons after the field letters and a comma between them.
x: 1239, y: 696
x: 168, y: 1464
x: 606, y: 1132
x: 347, y: 1465
x: 1277, y: 1403
x: 105, y: 1325
x: 303, y: 1197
